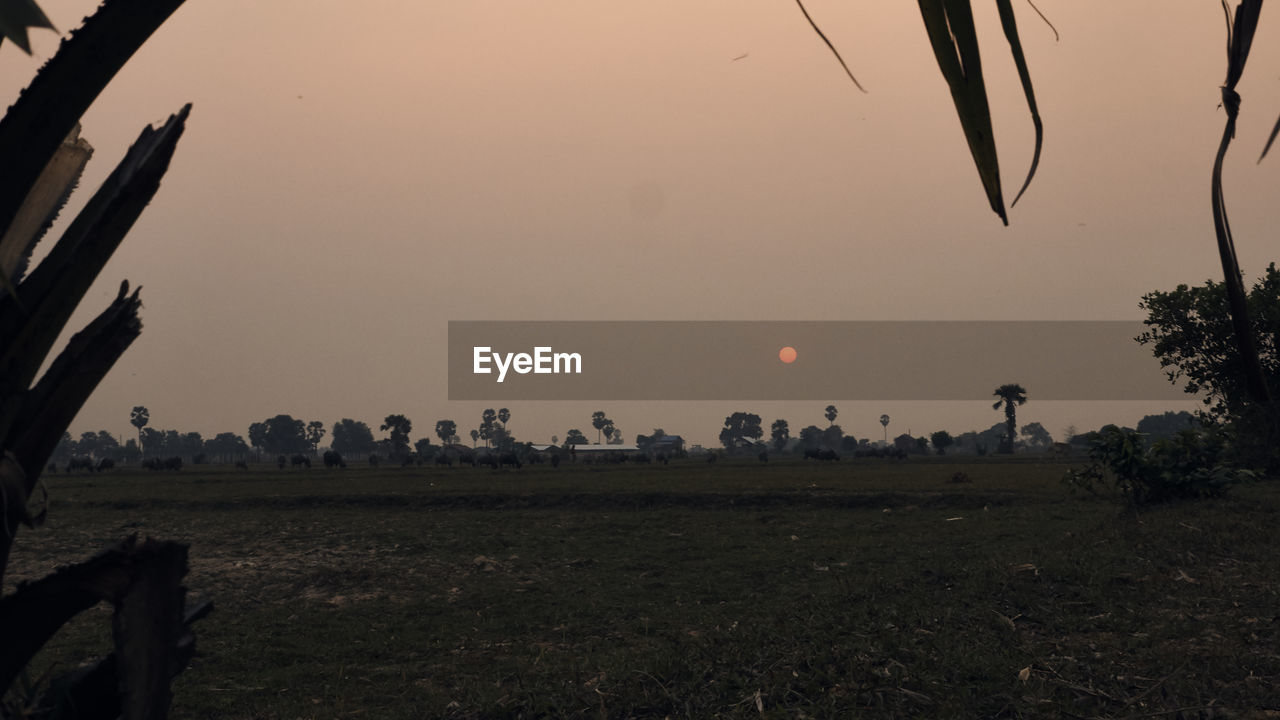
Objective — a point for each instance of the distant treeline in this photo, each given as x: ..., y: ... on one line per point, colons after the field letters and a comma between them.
x: 285, y: 435
x: 222, y: 448
x: 1032, y: 438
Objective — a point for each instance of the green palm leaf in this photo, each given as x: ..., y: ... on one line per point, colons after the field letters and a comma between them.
x: 1010, y: 26
x: 949, y: 24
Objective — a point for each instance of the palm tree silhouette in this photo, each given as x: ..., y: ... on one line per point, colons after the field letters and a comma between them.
x: 598, y: 421
x: 139, y: 418
x: 1010, y: 396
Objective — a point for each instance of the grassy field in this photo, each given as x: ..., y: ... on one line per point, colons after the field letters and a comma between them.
x: 852, y: 589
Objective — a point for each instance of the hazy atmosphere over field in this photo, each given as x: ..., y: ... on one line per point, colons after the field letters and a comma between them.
x: 354, y: 176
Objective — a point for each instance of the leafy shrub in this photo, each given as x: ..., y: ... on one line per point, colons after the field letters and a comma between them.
x: 1191, y: 464
x: 1190, y: 331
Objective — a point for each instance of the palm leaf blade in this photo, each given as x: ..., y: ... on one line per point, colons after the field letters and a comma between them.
x: 18, y: 15
x: 831, y: 47
x: 1274, y: 131
x: 1010, y: 25
x: 949, y: 24
x: 35, y: 126
x: 47, y: 197
x: 1240, y: 32
x: 53, y: 290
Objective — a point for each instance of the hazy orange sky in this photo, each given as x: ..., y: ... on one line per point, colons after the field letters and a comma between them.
x: 355, y: 176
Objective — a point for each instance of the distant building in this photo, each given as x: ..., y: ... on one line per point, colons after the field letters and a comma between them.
x: 668, y: 444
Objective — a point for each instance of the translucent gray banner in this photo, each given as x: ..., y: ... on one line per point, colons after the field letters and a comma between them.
x: 860, y: 360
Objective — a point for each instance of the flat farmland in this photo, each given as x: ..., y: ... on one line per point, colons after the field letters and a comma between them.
x: 870, y: 588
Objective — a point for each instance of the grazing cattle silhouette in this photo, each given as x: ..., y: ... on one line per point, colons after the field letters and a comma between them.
x: 106, y: 464
x: 443, y: 459
x: 281, y: 461
x: 80, y: 463
x: 242, y: 465
x: 488, y: 459
x: 510, y: 459
x: 555, y: 461
x: 300, y: 461
x: 173, y: 463
x: 764, y: 456
x: 333, y: 459
x: 711, y: 458
x: 373, y: 460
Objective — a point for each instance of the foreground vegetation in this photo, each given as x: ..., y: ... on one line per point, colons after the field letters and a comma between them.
x: 869, y: 589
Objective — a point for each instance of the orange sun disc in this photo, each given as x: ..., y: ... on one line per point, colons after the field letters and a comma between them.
x: 787, y: 355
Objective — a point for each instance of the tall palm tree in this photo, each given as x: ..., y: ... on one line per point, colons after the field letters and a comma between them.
x: 598, y: 421
x: 1010, y: 396
x: 139, y: 418
x: 487, y: 419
